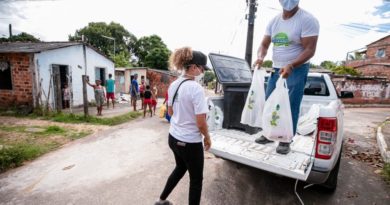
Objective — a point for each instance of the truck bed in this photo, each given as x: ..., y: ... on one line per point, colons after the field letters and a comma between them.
x: 240, y: 147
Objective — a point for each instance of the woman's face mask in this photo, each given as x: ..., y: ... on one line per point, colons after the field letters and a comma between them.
x: 288, y: 5
x: 199, y: 78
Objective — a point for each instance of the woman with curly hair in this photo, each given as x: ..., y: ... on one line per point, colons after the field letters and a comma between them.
x: 188, y: 108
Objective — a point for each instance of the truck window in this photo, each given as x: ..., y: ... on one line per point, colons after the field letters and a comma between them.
x: 316, y: 86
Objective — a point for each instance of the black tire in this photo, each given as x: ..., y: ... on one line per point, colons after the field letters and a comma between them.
x: 330, y: 184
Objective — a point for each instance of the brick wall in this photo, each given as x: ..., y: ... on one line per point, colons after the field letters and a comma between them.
x: 375, y: 70
x: 22, y: 87
x: 372, y: 48
x: 161, y: 80
x: 369, y: 66
x: 366, y: 90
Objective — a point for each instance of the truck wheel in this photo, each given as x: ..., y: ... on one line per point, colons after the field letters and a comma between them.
x: 330, y: 184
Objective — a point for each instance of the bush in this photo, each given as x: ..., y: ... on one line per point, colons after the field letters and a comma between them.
x: 14, y: 156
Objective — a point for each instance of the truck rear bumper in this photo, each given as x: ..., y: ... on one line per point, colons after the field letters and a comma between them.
x: 317, y: 176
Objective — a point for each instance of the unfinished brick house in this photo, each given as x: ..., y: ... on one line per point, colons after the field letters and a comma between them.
x: 373, y: 60
x: 34, y: 74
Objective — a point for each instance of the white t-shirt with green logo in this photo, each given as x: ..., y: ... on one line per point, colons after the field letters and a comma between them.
x: 286, y: 36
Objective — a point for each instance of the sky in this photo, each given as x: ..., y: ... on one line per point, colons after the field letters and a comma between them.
x: 217, y: 26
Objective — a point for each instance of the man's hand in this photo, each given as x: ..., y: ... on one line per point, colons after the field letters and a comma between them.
x: 258, y: 63
x: 207, y: 143
x: 286, y: 71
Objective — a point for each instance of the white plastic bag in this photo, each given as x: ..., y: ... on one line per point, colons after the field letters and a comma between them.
x: 214, y: 117
x: 307, y: 123
x: 277, y: 120
x: 253, y: 109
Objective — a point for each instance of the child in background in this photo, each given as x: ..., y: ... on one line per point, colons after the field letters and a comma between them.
x: 66, y: 96
x: 148, y: 96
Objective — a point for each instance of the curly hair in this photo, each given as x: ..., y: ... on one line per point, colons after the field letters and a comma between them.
x: 180, y: 57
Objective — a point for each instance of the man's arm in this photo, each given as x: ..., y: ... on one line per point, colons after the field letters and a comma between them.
x: 309, y: 48
x: 202, y: 125
x: 262, y: 51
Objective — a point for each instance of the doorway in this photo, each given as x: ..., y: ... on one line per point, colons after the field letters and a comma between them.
x: 100, y: 74
x: 60, y: 75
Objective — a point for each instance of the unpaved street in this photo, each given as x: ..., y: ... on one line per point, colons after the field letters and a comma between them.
x: 130, y: 163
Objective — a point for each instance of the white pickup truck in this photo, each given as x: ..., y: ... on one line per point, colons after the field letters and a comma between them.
x: 314, y: 157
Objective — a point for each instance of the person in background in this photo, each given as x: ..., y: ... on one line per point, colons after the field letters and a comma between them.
x: 188, y: 109
x: 110, y: 88
x: 167, y: 117
x: 134, y: 92
x: 99, y: 95
x: 148, y: 95
x: 66, y: 96
x: 294, y: 35
x: 154, y: 99
x: 142, y: 91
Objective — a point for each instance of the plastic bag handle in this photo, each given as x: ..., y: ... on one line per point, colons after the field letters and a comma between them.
x: 281, y: 82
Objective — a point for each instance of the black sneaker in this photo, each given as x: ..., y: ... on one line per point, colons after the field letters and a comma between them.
x: 283, y: 148
x: 165, y: 202
x: 263, y: 140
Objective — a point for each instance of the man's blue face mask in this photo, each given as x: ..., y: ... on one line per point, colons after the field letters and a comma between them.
x: 288, y: 5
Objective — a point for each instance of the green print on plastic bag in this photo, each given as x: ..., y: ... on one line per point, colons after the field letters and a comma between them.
x: 275, y: 116
x: 251, y: 101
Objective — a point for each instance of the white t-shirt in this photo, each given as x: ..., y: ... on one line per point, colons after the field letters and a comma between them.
x: 190, y: 101
x: 286, y: 35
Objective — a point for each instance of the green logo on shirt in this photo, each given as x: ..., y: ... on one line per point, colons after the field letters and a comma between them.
x: 280, y: 39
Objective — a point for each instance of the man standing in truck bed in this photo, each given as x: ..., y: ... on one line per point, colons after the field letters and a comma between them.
x: 294, y: 35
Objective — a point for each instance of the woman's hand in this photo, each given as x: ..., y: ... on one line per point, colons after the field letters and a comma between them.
x: 286, y: 70
x: 207, y: 143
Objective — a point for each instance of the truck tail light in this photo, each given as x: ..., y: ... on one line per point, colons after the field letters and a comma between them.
x: 326, y: 137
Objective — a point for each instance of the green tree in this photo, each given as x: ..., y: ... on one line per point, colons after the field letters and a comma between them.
x: 94, y: 32
x: 157, y: 58
x: 122, y: 60
x: 311, y: 65
x: 209, y: 76
x: 22, y: 37
x: 267, y: 64
x: 345, y: 70
x: 148, y: 48
x: 328, y: 64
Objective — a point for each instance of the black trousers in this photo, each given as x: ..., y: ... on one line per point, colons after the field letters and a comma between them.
x: 188, y: 156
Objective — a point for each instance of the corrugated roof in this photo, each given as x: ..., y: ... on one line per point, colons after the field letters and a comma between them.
x: 29, y: 47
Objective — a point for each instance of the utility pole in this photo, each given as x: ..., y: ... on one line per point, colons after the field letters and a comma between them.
x: 251, y: 25
x: 10, y: 30
x: 84, y: 80
x: 111, y: 38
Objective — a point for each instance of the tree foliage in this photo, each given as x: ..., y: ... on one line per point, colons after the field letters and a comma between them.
x: 94, y: 32
x: 209, y: 76
x: 328, y: 64
x: 151, y: 51
x: 345, y: 70
x: 22, y: 37
x: 122, y: 60
x: 157, y: 58
x: 267, y: 64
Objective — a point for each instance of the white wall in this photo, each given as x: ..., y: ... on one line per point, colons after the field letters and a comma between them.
x: 72, y: 57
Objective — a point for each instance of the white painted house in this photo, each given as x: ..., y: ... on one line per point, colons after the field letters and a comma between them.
x: 54, y: 64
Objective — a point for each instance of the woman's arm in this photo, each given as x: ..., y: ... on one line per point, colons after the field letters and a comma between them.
x: 202, y: 125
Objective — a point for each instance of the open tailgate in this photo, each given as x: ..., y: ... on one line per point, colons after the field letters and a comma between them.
x: 240, y: 147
